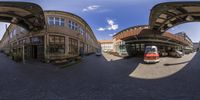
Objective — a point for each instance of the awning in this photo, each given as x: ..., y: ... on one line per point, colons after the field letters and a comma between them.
x: 152, y: 41
x: 166, y: 15
x: 27, y: 15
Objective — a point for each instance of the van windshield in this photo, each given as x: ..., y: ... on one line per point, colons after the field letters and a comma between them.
x: 98, y: 50
x: 150, y: 50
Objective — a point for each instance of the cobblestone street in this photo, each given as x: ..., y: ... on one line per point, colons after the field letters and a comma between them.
x: 105, y: 80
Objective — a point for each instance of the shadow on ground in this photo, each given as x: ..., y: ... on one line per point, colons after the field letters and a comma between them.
x: 171, y: 64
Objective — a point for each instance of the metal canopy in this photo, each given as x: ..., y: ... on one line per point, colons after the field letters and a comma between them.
x: 27, y: 15
x: 166, y: 15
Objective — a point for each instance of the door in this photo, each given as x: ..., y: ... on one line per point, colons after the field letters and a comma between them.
x: 40, y: 52
x: 34, y: 52
x: 81, y: 50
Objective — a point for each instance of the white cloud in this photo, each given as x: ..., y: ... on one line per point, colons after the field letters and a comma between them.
x: 111, y: 26
x: 111, y: 34
x: 101, y: 29
x: 91, y: 8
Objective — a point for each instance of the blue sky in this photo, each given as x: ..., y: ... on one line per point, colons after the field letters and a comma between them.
x: 107, y: 17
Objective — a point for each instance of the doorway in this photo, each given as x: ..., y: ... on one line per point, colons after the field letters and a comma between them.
x: 34, y: 52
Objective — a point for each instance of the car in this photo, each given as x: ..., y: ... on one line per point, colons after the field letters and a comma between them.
x: 176, y: 53
x: 151, y: 54
x: 180, y: 53
x: 98, y: 52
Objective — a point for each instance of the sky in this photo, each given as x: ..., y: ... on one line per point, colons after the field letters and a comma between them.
x: 107, y: 17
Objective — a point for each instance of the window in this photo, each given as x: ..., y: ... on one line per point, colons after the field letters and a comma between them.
x: 137, y: 47
x: 86, y: 36
x: 37, y: 40
x: 62, y: 22
x: 76, y: 26
x: 20, y: 42
x: 57, y: 40
x: 142, y: 47
x: 73, y: 46
x: 133, y: 46
x: 23, y: 41
x: 81, y: 31
x: 57, y: 44
x: 56, y: 21
x: 13, y: 33
x: 72, y: 25
x: 51, y: 20
x: 14, y: 44
x: 51, y: 39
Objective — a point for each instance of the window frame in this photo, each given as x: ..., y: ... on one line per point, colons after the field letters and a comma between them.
x: 56, y: 21
x: 54, y: 46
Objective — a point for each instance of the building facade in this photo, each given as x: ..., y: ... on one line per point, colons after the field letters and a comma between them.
x: 132, y: 41
x: 106, y: 45
x: 65, y: 35
x: 196, y: 46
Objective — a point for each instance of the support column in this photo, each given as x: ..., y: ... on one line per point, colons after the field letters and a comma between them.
x: 23, y: 57
x: 78, y: 47
x: 66, y: 45
x: 46, y: 51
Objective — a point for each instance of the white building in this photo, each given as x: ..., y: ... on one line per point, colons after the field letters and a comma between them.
x: 106, y: 45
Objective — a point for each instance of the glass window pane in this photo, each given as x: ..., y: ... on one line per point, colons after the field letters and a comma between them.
x: 57, y: 21
x: 62, y: 22
x: 76, y: 26
x: 51, y: 39
x: 58, y: 48
x: 51, y: 20
x: 62, y: 39
x: 57, y: 39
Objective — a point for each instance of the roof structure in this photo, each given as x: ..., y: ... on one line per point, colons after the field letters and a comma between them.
x: 166, y: 15
x: 27, y: 15
x: 134, y: 32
